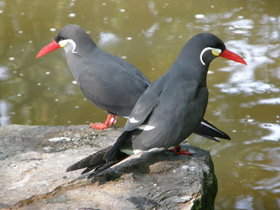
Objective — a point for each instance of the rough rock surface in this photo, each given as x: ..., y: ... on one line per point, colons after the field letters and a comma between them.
x: 33, y: 160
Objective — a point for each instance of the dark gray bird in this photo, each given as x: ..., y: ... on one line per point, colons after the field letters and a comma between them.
x: 111, y: 83
x: 170, y: 109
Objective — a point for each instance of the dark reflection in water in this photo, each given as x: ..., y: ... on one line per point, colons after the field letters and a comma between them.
x: 244, y: 101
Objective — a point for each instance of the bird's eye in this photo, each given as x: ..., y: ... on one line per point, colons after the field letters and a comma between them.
x: 61, y: 38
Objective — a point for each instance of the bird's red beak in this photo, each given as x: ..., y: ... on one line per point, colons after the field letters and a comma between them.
x: 232, y: 56
x: 48, y: 48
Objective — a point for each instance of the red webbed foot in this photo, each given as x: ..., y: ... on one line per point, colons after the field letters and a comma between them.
x: 177, y: 150
x: 99, y: 126
x: 110, y: 121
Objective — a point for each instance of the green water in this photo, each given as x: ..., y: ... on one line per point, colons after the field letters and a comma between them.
x: 244, y: 100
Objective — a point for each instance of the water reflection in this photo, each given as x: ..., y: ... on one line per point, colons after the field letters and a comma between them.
x: 246, y: 79
x: 107, y: 39
x: 150, y: 32
x: 4, y: 113
x: 244, y: 101
x: 244, y: 203
x: 4, y: 75
x: 269, y: 101
x: 274, y: 131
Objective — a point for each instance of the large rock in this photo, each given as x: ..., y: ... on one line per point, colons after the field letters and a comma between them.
x: 33, y: 161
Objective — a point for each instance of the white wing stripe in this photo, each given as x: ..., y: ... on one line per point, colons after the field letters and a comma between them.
x: 146, y: 127
x: 133, y: 120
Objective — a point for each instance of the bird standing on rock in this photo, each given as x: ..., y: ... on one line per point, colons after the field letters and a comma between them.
x: 111, y: 83
x: 169, y: 110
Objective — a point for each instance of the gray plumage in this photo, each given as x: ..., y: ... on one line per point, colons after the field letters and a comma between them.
x: 111, y: 83
x: 169, y: 110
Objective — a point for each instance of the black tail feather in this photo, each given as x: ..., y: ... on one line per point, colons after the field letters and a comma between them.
x: 97, y: 162
x: 209, y: 131
x: 114, y: 150
x: 103, y: 167
x: 89, y: 169
x: 90, y: 162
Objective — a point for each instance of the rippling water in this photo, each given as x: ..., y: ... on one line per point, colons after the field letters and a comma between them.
x: 244, y: 100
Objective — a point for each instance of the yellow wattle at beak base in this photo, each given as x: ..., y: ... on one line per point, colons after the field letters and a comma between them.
x: 215, y: 53
x: 62, y: 43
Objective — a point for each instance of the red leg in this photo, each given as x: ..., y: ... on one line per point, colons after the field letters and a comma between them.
x: 110, y: 121
x: 178, y: 151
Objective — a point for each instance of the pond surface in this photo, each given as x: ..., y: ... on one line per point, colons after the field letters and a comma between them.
x: 244, y: 100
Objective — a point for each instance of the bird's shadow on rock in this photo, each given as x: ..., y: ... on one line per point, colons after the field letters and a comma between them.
x: 148, y: 163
